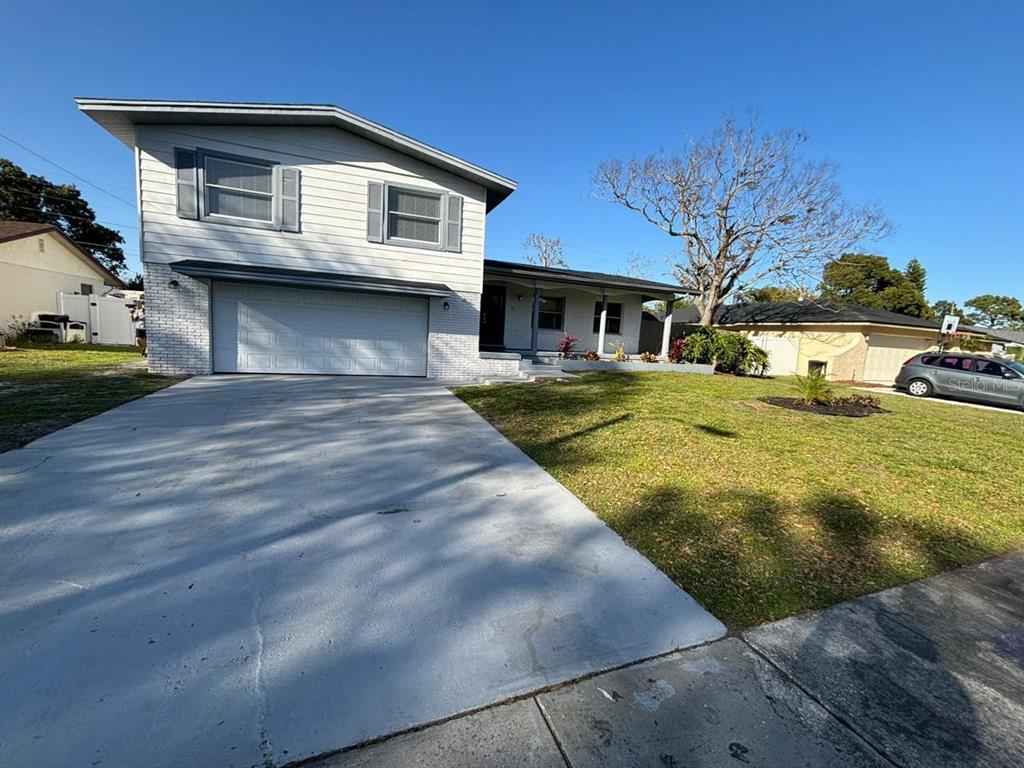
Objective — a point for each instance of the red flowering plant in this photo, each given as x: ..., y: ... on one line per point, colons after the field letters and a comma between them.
x: 565, y: 345
x: 675, y: 351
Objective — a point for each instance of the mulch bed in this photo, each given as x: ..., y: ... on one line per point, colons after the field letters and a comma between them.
x: 853, y: 410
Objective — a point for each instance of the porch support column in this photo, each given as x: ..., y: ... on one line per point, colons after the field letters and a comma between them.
x: 534, y: 320
x: 601, y: 326
x: 666, y: 334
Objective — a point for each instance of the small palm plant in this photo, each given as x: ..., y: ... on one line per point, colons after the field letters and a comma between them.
x: 814, y: 389
x: 619, y: 352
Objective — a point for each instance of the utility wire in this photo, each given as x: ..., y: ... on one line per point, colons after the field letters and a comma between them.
x: 70, y: 173
x: 82, y: 218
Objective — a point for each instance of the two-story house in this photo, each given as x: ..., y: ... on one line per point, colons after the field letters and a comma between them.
x: 295, y: 238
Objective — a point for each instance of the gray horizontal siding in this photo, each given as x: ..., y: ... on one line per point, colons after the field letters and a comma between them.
x: 336, y: 167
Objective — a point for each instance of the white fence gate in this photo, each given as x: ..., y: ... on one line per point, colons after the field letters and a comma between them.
x: 107, y: 320
x: 782, y: 354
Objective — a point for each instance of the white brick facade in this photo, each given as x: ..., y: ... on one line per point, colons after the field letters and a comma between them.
x: 454, y: 341
x: 177, y: 322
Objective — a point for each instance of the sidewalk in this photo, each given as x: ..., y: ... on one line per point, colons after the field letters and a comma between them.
x: 928, y: 674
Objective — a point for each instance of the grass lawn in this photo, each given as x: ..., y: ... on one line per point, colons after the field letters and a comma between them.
x: 759, y: 511
x: 45, y: 388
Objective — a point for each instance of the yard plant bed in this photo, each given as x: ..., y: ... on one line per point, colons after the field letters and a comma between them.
x: 43, y: 389
x: 758, y: 511
x: 838, y: 408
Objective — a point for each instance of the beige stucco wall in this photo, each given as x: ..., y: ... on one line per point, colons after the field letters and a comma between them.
x: 31, y: 276
x: 843, y: 348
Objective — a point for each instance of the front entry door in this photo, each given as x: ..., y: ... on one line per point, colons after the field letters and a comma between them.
x: 492, y: 316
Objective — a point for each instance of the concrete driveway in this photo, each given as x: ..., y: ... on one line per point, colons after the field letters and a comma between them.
x: 244, y: 571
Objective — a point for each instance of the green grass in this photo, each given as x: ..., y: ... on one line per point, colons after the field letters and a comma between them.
x: 759, y: 511
x: 44, y: 388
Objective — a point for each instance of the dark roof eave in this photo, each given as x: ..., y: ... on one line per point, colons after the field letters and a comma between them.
x: 337, y: 281
x: 551, y: 274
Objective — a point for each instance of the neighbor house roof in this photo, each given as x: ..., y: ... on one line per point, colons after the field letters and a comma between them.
x: 16, y: 230
x: 120, y: 116
x: 1005, y: 334
x: 814, y: 313
x: 578, y: 277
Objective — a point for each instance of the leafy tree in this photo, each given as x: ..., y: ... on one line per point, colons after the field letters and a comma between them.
x: 868, y: 280
x: 27, y: 197
x: 943, y: 307
x: 547, y: 251
x: 996, y: 311
x: 916, y: 274
x: 745, y: 205
x: 134, y: 283
x: 768, y: 293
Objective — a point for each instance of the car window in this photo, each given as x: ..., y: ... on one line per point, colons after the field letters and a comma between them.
x: 1018, y: 367
x: 956, y: 363
x: 929, y: 359
x: 988, y: 367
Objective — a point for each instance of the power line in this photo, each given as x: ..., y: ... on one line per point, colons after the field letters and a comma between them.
x: 82, y: 218
x: 70, y: 173
x: 36, y: 192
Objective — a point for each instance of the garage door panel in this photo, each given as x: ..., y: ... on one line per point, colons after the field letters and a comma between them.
x: 277, y: 329
x: 886, y: 354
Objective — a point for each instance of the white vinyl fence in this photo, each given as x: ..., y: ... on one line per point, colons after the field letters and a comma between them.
x: 108, y: 320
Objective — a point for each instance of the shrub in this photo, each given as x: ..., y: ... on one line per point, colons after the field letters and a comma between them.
x: 565, y: 345
x: 648, y: 357
x: 619, y: 352
x: 591, y: 355
x: 728, y: 352
x: 814, y: 389
x: 857, y: 402
x: 676, y: 351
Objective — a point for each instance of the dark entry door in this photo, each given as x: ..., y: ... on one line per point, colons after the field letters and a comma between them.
x: 492, y: 316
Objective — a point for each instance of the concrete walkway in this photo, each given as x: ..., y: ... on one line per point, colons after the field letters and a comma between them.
x: 921, y: 676
x: 242, y: 571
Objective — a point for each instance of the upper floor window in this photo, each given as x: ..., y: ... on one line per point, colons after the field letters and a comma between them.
x: 613, y: 322
x: 242, y: 191
x: 414, y: 215
x: 238, y: 189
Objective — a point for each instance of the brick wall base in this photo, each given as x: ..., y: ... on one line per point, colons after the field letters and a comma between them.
x: 177, y: 322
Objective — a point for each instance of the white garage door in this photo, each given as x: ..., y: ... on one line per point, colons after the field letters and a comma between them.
x: 886, y: 355
x: 277, y: 329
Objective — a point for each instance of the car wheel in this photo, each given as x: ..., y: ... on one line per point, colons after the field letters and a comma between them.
x: 919, y: 388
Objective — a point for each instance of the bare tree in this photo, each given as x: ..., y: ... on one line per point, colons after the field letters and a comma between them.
x: 745, y: 206
x: 547, y: 251
x: 638, y: 266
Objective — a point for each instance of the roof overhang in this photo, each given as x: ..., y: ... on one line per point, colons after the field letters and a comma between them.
x: 841, y: 323
x: 120, y: 116
x: 336, y: 281
x: 618, y: 282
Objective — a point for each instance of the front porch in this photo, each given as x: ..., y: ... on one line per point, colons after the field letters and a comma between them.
x: 526, y: 310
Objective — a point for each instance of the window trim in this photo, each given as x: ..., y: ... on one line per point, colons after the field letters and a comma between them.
x: 237, y: 221
x: 442, y: 222
x: 560, y: 313
x: 610, y: 316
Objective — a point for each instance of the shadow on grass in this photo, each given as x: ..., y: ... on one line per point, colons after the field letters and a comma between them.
x: 711, y: 429
x: 751, y: 557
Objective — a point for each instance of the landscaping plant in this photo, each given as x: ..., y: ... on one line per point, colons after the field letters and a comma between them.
x: 565, y: 345
x: 619, y: 352
x: 676, y: 351
x: 591, y: 355
x: 648, y: 357
x: 814, y: 389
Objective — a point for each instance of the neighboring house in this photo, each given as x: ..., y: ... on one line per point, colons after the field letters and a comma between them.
x: 38, y: 262
x: 306, y: 239
x: 850, y: 343
x: 1006, y: 342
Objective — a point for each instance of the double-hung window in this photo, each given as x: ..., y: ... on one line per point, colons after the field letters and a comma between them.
x: 551, y: 313
x: 613, y: 323
x: 238, y: 189
x: 414, y: 216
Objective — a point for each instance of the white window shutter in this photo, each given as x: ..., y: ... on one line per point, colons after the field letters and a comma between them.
x: 375, y: 212
x: 289, y: 195
x: 453, y: 225
x: 185, y: 183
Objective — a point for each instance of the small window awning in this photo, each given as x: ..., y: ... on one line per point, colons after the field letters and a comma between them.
x: 248, y: 273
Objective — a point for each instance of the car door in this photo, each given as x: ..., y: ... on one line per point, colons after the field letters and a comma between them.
x: 997, y: 384
x: 953, y: 376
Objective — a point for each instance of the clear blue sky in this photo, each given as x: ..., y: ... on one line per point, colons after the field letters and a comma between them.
x: 921, y: 104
